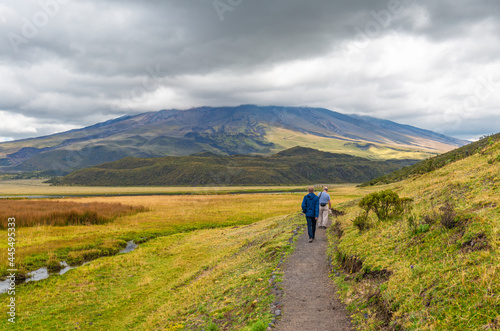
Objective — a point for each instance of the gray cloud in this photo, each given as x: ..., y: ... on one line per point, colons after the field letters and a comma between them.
x: 70, y: 63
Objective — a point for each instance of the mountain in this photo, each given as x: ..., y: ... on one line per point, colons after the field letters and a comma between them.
x: 295, y: 166
x: 245, y: 129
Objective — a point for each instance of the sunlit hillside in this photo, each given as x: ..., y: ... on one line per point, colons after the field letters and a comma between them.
x: 436, y: 267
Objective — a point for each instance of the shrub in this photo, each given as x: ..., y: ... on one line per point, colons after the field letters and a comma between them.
x: 428, y: 219
x: 448, y: 216
x: 361, y: 222
x: 385, y: 204
x: 412, y: 222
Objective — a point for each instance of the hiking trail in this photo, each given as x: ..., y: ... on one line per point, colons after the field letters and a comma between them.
x: 310, y: 302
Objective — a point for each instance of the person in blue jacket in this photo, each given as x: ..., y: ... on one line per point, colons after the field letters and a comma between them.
x: 310, y: 207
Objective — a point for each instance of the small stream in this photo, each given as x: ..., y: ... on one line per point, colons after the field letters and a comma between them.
x: 131, y: 245
x: 43, y: 273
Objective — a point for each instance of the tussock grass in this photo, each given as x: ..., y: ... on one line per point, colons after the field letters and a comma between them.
x: 212, y: 278
x: 436, y: 269
x: 61, y: 213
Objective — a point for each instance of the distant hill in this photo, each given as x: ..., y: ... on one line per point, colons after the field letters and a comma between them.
x: 294, y: 166
x: 241, y: 130
x: 436, y: 162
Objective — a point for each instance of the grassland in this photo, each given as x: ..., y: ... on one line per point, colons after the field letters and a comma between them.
x: 415, y: 273
x: 37, y: 187
x: 42, y: 245
x: 436, y: 162
x: 204, y: 261
x: 284, y: 139
x: 186, y: 281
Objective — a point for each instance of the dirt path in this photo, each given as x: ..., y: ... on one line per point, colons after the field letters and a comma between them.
x: 310, y: 302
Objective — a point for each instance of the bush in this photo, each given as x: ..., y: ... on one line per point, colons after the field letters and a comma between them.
x: 448, y: 216
x: 412, y: 222
x: 361, y: 222
x: 385, y: 204
x: 428, y: 219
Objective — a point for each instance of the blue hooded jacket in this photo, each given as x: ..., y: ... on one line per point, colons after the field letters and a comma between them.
x: 310, y: 205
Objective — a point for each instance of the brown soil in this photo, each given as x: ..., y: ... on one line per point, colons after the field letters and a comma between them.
x: 310, y: 302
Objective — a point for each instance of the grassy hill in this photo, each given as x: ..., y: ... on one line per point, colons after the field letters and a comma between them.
x: 246, y: 129
x: 436, y: 267
x: 294, y: 166
x: 436, y: 162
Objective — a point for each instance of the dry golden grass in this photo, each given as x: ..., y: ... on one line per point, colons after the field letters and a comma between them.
x: 61, y: 213
x: 165, y: 215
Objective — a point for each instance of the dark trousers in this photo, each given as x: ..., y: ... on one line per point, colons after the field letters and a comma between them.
x: 311, y: 226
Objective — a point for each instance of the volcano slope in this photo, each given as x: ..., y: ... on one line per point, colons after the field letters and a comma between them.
x: 437, y: 267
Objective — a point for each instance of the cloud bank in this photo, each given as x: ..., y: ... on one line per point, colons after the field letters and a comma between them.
x: 67, y: 64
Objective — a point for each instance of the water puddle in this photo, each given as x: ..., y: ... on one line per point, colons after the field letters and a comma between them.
x: 34, y: 276
x: 131, y: 245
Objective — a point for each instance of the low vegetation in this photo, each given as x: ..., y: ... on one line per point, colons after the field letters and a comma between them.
x: 212, y: 279
x: 61, y: 213
x: 435, y: 266
x: 38, y: 187
x: 41, y: 245
x: 295, y: 166
x: 385, y: 204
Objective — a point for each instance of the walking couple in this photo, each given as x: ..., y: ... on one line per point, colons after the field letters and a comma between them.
x: 316, y: 209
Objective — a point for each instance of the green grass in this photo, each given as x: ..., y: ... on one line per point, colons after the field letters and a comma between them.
x: 284, y: 139
x: 212, y: 279
x: 437, y: 162
x: 35, y: 187
x: 427, y: 276
x: 166, y: 215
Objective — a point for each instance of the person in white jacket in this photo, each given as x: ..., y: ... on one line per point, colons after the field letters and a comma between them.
x: 324, y: 206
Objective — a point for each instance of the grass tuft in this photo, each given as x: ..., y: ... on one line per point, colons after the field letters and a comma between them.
x: 29, y: 213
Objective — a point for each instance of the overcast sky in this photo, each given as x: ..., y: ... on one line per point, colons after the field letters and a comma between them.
x: 66, y: 64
